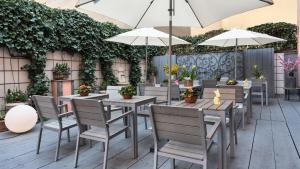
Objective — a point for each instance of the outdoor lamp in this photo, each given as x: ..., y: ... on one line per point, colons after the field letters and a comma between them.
x: 21, y: 118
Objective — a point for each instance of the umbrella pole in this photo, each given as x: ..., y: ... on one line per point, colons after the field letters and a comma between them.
x: 170, y: 50
x: 146, y: 60
x: 235, y: 60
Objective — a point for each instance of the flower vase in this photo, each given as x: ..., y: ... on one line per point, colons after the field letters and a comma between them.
x: 290, y: 80
x: 192, y: 99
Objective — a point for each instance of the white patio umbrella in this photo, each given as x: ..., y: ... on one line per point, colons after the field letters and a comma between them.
x: 152, y: 13
x: 240, y: 37
x: 146, y: 37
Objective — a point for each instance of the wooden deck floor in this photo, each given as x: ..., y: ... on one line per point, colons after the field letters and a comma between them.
x: 270, y: 141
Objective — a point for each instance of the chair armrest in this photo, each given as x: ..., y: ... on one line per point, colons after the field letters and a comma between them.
x: 119, y: 117
x: 66, y: 114
x: 213, y: 130
x: 62, y: 106
x: 161, y: 102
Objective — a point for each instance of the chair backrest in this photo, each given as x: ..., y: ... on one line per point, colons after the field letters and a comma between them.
x: 257, y: 85
x: 178, y: 124
x: 239, y: 92
x: 89, y: 112
x: 226, y: 93
x: 175, y: 92
x: 161, y: 93
x: 46, y: 107
x: 209, y: 83
x: 113, y: 92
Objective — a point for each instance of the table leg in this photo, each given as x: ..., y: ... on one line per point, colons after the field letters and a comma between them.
x: 232, y: 121
x: 267, y: 95
x: 135, y: 133
x: 224, y: 139
x: 221, y: 148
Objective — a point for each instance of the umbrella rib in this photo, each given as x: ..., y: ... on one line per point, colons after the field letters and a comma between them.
x: 78, y: 5
x: 257, y: 41
x: 144, y: 14
x: 194, y: 13
x: 268, y: 2
x: 162, y: 41
x: 134, y: 40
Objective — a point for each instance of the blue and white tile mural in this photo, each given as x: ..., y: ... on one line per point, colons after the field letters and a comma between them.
x: 213, y: 65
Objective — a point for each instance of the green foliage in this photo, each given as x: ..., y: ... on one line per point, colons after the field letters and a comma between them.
x: 257, y: 73
x: 14, y: 96
x: 128, y: 90
x: 282, y: 30
x: 62, y: 68
x: 2, y: 115
x: 188, y: 75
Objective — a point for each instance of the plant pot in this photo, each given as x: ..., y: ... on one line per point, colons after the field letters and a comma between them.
x: 188, y: 83
x: 2, y: 126
x: 125, y: 96
x: 60, y: 76
x: 84, y: 94
x: 290, y: 81
x: 192, y: 99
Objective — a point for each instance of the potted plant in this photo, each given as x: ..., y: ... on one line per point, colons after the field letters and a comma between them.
x: 174, y: 70
x: 188, y: 76
x: 61, y: 71
x: 257, y: 73
x: 127, y: 92
x: 84, y: 90
x: 190, y: 95
x: 2, y: 124
x: 15, y: 97
x: 290, y: 66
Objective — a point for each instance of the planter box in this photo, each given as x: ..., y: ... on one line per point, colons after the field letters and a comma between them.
x: 2, y: 126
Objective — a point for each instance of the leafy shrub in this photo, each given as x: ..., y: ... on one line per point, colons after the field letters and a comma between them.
x: 14, y: 96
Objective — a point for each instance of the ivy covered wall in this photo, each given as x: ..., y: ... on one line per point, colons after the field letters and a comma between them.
x: 31, y: 30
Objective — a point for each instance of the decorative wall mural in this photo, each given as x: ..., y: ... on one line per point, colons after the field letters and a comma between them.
x: 213, y: 65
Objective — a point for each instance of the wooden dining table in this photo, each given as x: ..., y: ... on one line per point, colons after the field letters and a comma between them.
x: 209, y: 108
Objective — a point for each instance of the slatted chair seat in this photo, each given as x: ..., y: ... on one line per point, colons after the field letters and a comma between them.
x: 99, y: 134
x: 213, y: 119
x: 180, y: 150
x: 67, y: 122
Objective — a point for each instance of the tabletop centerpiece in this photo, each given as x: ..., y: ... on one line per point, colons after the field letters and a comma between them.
x: 217, y: 98
x: 231, y: 82
x: 190, y: 95
x: 127, y: 92
x: 84, y: 90
x: 188, y: 76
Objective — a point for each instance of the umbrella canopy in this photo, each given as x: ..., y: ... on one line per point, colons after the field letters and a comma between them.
x: 151, y: 13
x: 146, y: 36
x: 239, y: 37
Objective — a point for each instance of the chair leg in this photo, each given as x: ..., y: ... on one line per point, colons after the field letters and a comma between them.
x: 39, y: 140
x: 68, y: 134
x: 105, y: 155
x: 172, y: 163
x: 155, y: 159
x: 58, y: 145
x: 146, y: 124
x: 103, y: 147
x: 235, y: 133
x: 262, y: 100
x: 243, y: 119
x: 90, y: 143
x: 77, y: 151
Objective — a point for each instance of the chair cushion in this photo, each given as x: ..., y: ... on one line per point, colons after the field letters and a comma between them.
x: 181, y: 149
x: 67, y: 122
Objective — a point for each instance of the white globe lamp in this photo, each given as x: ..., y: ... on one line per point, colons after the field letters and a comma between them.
x: 21, y: 118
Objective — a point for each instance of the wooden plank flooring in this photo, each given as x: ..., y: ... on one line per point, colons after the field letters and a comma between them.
x: 270, y: 141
